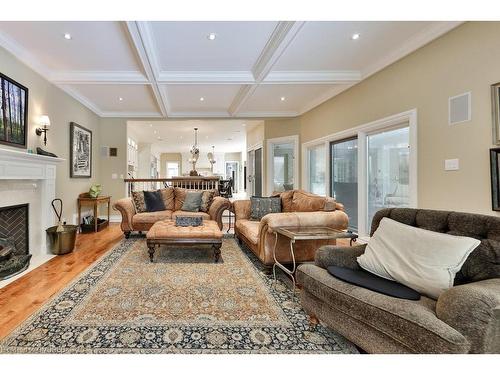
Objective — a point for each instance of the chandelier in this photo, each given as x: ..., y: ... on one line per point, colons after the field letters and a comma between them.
x: 195, y: 154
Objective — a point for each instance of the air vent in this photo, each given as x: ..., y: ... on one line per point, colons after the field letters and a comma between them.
x: 459, y: 108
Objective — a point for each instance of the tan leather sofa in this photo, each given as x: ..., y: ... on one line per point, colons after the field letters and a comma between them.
x: 142, y: 221
x: 299, y: 208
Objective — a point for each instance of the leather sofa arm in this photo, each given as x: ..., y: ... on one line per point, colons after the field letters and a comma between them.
x: 127, y: 209
x: 474, y: 310
x: 218, y: 206
x: 342, y: 256
x: 242, y: 209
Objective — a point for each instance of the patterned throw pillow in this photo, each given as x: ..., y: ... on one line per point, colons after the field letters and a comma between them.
x: 261, y: 206
x: 168, y: 198
x: 206, y: 200
x: 138, y: 199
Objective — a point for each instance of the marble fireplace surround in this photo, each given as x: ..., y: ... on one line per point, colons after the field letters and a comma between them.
x: 30, y: 178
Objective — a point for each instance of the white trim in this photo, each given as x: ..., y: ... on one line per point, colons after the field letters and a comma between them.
x: 254, y: 147
x: 335, y: 90
x: 95, y: 77
x: 268, y: 114
x: 305, y: 166
x: 131, y: 114
x: 80, y: 98
x: 214, y: 77
x: 269, y: 160
x: 418, y: 41
x: 198, y: 114
x: 361, y: 131
x: 469, y: 108
x: 313, y: 77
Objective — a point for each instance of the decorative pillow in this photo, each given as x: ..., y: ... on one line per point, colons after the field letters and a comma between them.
x: 138, y: 200
x: 154, y: 201
x: 261, y: 206
x: 168, y: 198
x: 180, y: 195
x: 306, y: 202
x: 423, y: 260
x: 286, y: 200
x: 192, y: 203
x: 206, y: 200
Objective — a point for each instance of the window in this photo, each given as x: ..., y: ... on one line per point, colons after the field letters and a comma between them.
x: 344, y: 177
x: 172, y: 169
x: 282, y: 165
x: 317, y: 169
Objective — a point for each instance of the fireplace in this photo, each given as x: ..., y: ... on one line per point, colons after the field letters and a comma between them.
x: 14, y: 240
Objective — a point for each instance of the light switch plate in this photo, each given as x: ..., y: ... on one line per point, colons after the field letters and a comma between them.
x: 451, y: 165
x: 114, y: 176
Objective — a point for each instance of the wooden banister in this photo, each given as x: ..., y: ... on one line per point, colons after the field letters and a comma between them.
x: 188, y: 182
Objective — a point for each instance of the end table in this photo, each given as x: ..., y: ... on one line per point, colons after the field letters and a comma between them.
x: 85, y: 199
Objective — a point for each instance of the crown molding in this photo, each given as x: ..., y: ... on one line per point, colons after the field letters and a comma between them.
x: 319, y: 76
x: 268, y: 114
x: 131, y: 114
x: 82, y: 99
x: 195, y: 114
x: 244, y: 93
x: 418, y: 41
x: 141, y: 38
x: 215, y: 77
x: 326, y: 96
x: 98, y: 77
x: 279, y: 40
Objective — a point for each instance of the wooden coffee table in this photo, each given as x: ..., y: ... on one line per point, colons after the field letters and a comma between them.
x: 166, y: 233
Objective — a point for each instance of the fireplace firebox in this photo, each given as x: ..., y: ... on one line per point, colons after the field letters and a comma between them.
x: 14, y: 240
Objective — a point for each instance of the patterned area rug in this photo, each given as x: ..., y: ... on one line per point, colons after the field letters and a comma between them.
x: 182, y: 303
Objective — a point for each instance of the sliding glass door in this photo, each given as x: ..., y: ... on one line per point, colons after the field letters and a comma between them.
x: 388, y: 170
x: 344, y: 177
x: 317, y: 169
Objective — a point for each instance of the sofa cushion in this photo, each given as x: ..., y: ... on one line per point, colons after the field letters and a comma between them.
x: 286, y: 201
x: 192, y: 201
x: 250, y: 229
x: 413, y: 324
x: 204, y: 215
x: 154, y: 201
x: 168, y: 198
x: 151, y: 217
x: 261, y: 206
x: 306, y: 202
x: 138, y: 200
x: 206, y: 200
x: 180, y: 195
x: 421, y: 259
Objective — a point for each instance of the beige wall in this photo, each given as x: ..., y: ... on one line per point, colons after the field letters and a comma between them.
x: 255, y: 135
x: 281, y: 127
x: 45, y: 98
x: 113, y: 133
x: 460, y: 61
x: 172, y: 157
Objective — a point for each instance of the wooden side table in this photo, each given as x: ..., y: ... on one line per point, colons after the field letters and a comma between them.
x: 85, y: 199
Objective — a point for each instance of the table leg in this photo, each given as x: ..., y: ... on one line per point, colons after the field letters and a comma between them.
x: 216, y: 249
x: 229, y: 217
x: 95, y: 217
x: 151, y: 251
x: 79, y: 216
x: 109, y: 203
x: 283, y: 268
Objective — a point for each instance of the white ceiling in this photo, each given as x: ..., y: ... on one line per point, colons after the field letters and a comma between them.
x: 178, y: 135
x: 162, y: 69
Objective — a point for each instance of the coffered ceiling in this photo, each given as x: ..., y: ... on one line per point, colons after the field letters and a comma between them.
x: 211, y: 69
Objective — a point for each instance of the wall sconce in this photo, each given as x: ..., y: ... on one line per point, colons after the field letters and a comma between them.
x: 45, y: 122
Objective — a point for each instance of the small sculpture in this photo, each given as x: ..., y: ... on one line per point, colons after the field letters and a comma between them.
x: 95, y: 190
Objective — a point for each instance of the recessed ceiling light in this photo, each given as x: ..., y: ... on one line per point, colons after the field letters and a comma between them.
x: 202, y: 99
x: 243, y: 125
x: 212, y: 36
x: 67, y: 36
x: 150, y: 125
x: 155, y: 132
x: 283, y: 98
x: 355, y: 36
x: 120, y: 99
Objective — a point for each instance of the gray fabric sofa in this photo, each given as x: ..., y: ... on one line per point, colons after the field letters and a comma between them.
x: 465, y: 318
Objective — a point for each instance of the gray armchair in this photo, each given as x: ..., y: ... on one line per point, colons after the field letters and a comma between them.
x: 465, y: 318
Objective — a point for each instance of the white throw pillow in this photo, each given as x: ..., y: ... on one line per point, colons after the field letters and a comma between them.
x: 421, y: 259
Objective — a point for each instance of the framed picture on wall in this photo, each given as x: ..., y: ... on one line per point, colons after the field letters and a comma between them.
x: 495, y: 178
x: 80, y: 140
x: 13, y: 112
x: 495, y: 105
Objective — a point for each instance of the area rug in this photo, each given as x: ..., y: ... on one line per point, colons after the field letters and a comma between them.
x: 181, y: 303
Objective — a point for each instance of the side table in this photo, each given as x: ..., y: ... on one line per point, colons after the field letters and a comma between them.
x: 85, y: 199
x: 305, y: 233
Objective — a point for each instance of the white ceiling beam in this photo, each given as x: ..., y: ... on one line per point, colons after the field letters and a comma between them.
x: 280, y: 39
x: 141, y: 38
x: 96, y: 77
x: 82, y: 99
x: 204, y: 77
x: 198, y: 114
x: 137, y: 114
x: 313, y: 77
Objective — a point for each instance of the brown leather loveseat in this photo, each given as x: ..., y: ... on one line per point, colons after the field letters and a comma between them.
x: 298, y: 208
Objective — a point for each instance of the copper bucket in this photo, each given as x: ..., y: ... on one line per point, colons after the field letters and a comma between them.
x: 61, y: 237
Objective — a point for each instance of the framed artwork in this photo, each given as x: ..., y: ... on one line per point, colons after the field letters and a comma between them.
x: 13, y: 112
x: 80, y: 140
x: 495, y: 106
x: 495, y: 180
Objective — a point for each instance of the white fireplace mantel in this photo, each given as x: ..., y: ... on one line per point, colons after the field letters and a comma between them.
x: 18, y: 166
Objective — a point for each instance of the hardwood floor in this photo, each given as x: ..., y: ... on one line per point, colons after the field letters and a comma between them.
x: 23, y: 297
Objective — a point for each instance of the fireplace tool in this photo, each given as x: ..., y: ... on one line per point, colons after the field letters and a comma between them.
x: 62, y: 237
